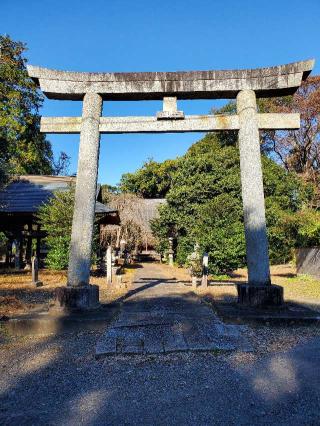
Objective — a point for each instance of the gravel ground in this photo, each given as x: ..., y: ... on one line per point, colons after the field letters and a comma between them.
x: 55, y: 380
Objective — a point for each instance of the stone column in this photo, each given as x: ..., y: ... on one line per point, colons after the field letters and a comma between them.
x: 84, y: 208
x: 85, y: 196
x: 253, y: 201
x: 29, y: 246
x: 35, y: 269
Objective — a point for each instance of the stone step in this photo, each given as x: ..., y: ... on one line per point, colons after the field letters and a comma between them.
x: 164, y: 338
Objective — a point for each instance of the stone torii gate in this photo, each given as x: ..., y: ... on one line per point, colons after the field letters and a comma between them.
x: 244, y: 85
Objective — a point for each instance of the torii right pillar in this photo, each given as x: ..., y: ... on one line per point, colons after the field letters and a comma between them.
x: 258, y: 291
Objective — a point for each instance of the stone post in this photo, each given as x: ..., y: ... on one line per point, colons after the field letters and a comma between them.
x: 170, y: 251
x: 109, y: 264
x: 84, y: 296
x: 253, y: 205
x: 35, y: 271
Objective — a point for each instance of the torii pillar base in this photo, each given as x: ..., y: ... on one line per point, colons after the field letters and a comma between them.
x: 260, y: 296
x: 82, y: 298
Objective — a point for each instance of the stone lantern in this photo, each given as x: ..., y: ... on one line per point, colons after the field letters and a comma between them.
x: 123, y: 244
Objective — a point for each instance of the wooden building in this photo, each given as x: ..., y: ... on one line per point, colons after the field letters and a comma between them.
x: 19, y: 204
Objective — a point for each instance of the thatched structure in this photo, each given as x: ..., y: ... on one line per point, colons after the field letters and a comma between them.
x: 136, y: 215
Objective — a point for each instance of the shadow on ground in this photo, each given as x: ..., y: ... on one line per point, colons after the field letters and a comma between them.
x: 151, y: 282
x: 57, y: 381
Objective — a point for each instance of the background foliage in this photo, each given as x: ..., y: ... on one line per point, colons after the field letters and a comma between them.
x: 203, y: 190
x: 204, y: 205
x: 153, y: 180
x: 23, y: 149
x: 56, y: 219
x: 134, y: 216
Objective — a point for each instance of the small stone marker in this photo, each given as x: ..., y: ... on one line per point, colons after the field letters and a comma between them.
x: 109, y: 264
x: 205, y: 264
x: 170, y: 252
x: 35, y: 272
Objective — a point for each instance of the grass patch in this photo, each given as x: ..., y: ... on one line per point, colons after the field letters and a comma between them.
x: 302, y: 278
x: 223, y: 277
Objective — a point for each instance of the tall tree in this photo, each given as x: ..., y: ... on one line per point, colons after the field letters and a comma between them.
x: 204, y: 205
x: 23, y: 149
x: 153, y: 180
x: 297, y: 150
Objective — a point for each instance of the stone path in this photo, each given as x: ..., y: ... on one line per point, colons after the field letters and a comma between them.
x: 162, y: 315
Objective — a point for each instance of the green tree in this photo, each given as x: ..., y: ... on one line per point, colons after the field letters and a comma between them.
x: 152, y: 180
x: 306, y: 225
x: 297, y: 150
x: 56, y: 220
x: 204, y: 205
x: 23, y: 149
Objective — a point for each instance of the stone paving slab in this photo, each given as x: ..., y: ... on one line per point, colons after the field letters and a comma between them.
x: 158, y: 318
x: 164, y: 318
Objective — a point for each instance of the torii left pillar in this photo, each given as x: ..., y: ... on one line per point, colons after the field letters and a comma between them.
x: 79, y: 294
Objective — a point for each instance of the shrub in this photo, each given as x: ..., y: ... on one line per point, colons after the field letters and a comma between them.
x: 204, y: 205
x: 58, y: 254
x: 56, y: 220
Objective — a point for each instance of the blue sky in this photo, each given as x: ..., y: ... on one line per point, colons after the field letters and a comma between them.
x: 149, y: 35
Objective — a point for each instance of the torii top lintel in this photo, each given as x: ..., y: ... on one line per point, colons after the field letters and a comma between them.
x: 266, y: 82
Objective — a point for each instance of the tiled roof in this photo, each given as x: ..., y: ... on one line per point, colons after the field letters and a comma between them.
x: 26, y: 193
